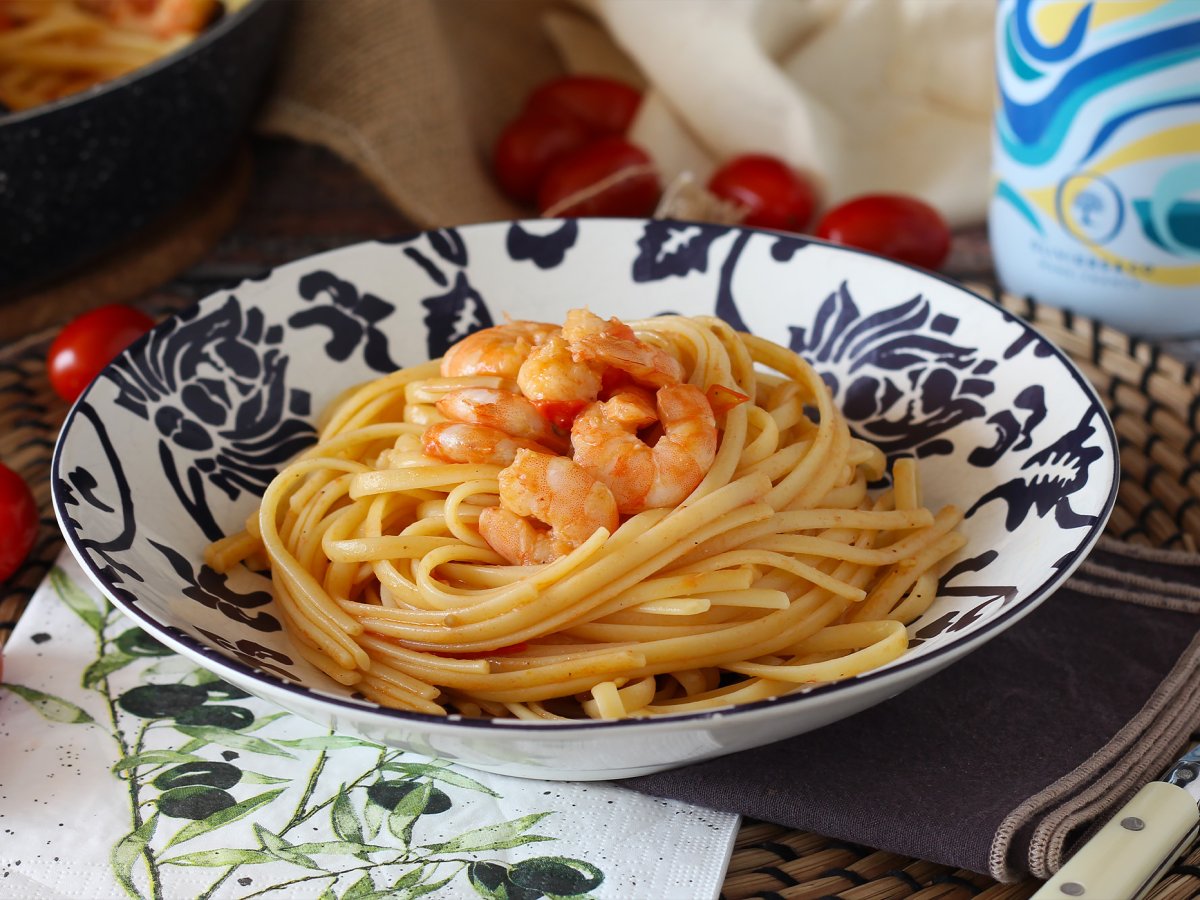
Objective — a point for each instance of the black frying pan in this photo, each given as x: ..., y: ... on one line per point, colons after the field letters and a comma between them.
x: 79, y: 174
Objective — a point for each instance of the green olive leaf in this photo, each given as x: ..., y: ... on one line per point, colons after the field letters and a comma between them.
x: 76, y: 599
x: 401, y: 820
x: 226, y: 737
x: 264, y: 721
x: 364, y: 887
x: 128, y: 851
x: 420, y: 890
x: 373, y: 817
x: 154, y: 758
x: 269, y: 839
x: 500, y: 836
x: 282, y: 849
x: 249, y: 777
x: 409, y: 878
x: 222, y: 858
x: 440, y: 773
x: 330, y: 742
x: 54, y: 709
x: 105, y: 666
x: 223, y: 817
x: 192, y: 745
x: 346, y: 824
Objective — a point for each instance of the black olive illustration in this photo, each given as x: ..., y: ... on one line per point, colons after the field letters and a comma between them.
x: 203, y: 772
x: 194, y: 802
x: 556, y: 875
x: 223, y: 690
x: 388, y: 794
x: 232, y: 717
x: 490, y: 879
x: 157, y: 701
x: 136, y: 642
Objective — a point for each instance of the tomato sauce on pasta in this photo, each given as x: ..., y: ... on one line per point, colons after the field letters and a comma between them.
x: 696, y: 554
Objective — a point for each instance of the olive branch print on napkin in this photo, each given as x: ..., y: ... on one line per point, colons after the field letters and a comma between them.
x: 220, y: 794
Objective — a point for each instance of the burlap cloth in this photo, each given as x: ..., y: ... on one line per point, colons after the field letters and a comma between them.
x: 413, y: 93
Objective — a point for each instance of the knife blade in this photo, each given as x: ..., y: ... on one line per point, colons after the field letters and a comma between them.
x: 1136, y: 847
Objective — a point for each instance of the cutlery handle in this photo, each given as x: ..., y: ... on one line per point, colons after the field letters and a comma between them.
x: 1126, y: 857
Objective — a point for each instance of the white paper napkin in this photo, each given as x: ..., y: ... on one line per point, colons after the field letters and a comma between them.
x: 865, y: 95
x: 127, y: 771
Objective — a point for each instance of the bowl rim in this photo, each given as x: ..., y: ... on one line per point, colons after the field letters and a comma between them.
x: 227, y: 22
x: 917, y: 668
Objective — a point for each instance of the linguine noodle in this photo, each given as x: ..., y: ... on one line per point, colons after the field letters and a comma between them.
x: 779, y: 571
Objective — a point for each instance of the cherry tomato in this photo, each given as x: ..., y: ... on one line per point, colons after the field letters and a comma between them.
x: 18, y: 521
x: 774, y: 194
x: 529, y: 145
x: 590, y: 174
x: 896, y: 226
x: 605, y: 106
x: 88, y: 343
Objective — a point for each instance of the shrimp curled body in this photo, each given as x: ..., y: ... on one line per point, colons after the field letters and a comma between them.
x: 463, y: 442
x: 641, y: 476
x: 549, y: 506
x: 613, y: 343
x: 499, y: 350
x: 559, y: 384
x: 503, y: 410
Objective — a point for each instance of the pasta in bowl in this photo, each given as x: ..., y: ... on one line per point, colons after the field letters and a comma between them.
x: 579, y: 545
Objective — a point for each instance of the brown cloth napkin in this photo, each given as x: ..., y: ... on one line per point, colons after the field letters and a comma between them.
x: 1004, y: 761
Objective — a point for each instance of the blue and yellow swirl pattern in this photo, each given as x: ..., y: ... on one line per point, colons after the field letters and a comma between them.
x: 1096, y: 187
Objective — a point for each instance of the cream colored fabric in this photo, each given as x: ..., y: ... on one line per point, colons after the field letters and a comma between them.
x: 866, y: 95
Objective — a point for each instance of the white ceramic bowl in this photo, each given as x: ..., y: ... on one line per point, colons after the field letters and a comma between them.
x: 168, y: 449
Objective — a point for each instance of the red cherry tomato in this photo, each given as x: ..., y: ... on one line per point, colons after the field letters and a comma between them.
x: 591, y: 175
x: 605, y: 106
x: 88, y: 343
x: 529, y: 145
x: 18, y: 521
x: 896, y: 226
x: 774, y: 194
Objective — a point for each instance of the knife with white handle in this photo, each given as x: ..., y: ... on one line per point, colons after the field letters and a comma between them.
x: 1128, y: 856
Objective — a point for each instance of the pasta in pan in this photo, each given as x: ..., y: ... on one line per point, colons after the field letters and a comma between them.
x: 52, y: 48
x: 599, y: 520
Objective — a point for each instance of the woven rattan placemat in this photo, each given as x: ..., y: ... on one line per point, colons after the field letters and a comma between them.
x: 1154, y: 401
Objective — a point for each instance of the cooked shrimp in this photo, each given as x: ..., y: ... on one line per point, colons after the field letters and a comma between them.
x: 614, y: 343
x: 498, y: 350
x: 505, y: 411
x: 461, y: 442
x: 640, y: 476
x: 549, y: 506
x: 558, y: 384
